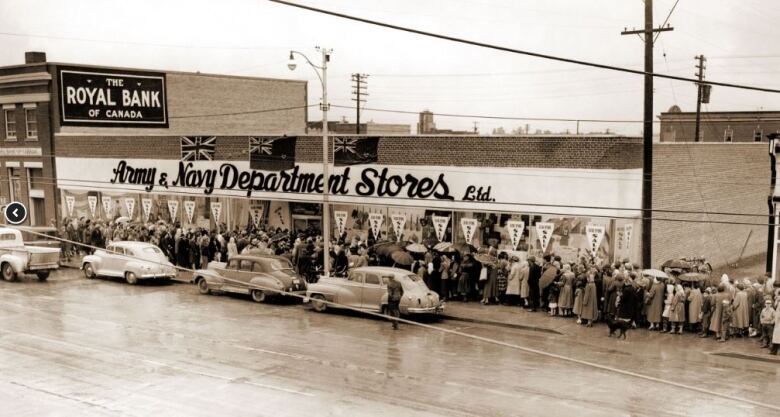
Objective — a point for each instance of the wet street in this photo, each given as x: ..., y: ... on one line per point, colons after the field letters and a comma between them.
x: 78, y: 347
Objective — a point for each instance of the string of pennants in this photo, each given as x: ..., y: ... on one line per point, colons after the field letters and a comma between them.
x: 108, y: 205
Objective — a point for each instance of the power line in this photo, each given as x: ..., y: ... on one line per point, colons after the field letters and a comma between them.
x: 192, y: 116
x: 515, y: 51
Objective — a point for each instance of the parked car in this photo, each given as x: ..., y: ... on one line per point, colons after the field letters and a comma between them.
x: 17, y: 258
x: 132, y: 261
x: 366, y: 289
x: 257, y: 275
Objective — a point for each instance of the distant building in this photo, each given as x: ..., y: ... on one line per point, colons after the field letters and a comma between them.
x: 370, y: 128
x: 727, y: 126
x: 426, y: 126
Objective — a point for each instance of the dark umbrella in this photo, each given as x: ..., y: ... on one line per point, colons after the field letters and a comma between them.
x: 676, y: 264
x: 464, y: 248
x: 386, y: 249
x: 485, y: 259
x: 416, y: 248
x: 402, y: 258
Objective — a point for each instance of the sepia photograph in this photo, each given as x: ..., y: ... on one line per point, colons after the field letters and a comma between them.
x: 435, y: 208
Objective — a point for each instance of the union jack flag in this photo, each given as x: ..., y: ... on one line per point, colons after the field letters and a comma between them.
x: 355, y: 150
x: 198, y: 148
x: 272, y: 153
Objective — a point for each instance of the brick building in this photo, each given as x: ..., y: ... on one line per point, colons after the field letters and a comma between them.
x: 728, y: 126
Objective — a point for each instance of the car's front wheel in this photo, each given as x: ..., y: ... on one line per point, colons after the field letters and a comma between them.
x: 131, y: 278
x: 42, y: 275
x: 203, y: 286
x: 8, y: 272
x: 259, y: 296
x: 318, y: 302
x: 89, y: 271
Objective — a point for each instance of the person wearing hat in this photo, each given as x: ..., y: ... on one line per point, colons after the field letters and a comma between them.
x: 741, y: 306
x: 534, y: 275
x: 767, y: 323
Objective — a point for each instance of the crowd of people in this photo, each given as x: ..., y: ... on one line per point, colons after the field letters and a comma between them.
x: 587, y: 290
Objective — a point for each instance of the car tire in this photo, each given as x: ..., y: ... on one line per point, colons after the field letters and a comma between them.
x: 131, y: 278
x: 89, y: 271
x: 42, y: 275
x: 317, y: 303
x: 259, y: 296
x: 203, y: 286
x: 8, y: 272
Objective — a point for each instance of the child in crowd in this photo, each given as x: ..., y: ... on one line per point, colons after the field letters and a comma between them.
x: 767, y: 323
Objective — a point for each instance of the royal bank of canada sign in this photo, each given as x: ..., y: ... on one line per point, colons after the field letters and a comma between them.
x: 104, y: 97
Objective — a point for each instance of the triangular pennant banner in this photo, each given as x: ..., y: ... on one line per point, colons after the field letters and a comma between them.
x: 375, y: 221
x: 173, y: 208
x: 621, y: 237
x: 341, y: 221
x: 130, y: 206
x: 216, y: 210
x: 399, y: 221
x: 189, y: 208
x: 515, y: 229
x: 629, y: 231
x: 70, y: 202
x: 146, y: 205
x: 469, y: 227
x: 595, y: 234
x: 92, y: 200
x: 544, y: 232
x: 440, y: 224
x: 108, y: 208
x: 257, y: 215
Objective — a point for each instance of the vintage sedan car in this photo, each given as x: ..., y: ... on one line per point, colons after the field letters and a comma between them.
x: 258, y: 275
x: 132, y: 261
x: 366, y: 289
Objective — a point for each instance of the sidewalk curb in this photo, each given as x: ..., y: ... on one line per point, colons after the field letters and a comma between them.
x: 501, y: 324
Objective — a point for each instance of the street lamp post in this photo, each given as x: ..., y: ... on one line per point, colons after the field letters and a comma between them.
x: 324, y: 106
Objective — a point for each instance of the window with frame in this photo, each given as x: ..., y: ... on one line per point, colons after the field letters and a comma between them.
x: 728, y: 135
x: 372, y: 279
x: 758, y: 133
x: 9, y: 116
x: 32, y: 124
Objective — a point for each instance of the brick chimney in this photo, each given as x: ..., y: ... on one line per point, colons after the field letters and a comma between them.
x: 34, y: 57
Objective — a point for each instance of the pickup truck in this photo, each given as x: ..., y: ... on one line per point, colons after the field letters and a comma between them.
x: 16, y: 258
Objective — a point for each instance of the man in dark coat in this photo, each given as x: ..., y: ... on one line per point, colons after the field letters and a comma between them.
x: 625, y: 303
x: 534, y: 274
x: 394, y: 294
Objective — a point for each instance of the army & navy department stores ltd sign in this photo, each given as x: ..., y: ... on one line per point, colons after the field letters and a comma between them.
x: 104, y: 97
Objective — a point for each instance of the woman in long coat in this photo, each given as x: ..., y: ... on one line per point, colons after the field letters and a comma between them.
x: 490, y: 290
x: 741, y: 317
x: 677, y: 309
x: 464, y: 280
x: 694, y: 306
x: 656, y: 304
x: 717, y: 305
x: 525, y: 287
x: 566, y: 297
x: 590, y: 302
x: 578, y: 292
x: 513, y: 280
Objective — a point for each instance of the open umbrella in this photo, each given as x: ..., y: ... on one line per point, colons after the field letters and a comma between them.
x: 386, y: 249
x: 692, y: 277
x: 485, y: 259
x: 464, y: 248
x: 676, y: 263
x: 655, y: 273
x: 416, y: 248
x: 402, y: 258
x: 445, y: 247
x: 123, y: 219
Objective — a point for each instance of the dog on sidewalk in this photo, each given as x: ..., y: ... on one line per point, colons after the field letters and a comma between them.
x: 618, y: 325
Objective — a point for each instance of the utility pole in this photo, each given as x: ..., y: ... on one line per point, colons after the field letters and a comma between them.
x: 358, y: 92
x: 476, y: 130
x: 699, y: 89
x: 647, y: 164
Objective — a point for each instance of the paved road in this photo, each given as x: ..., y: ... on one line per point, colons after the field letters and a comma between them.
x: 77, y: 347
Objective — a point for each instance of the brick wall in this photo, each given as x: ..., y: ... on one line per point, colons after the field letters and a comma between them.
x: 729, y: 178
x: 682, y: 128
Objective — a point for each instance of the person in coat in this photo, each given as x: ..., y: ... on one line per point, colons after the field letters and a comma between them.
x: 490, y: 290
x: 625, y: 303
x: 513, y: 281
x: 525, y: 288
x: 444, y: 273
x: 566, y: 296
x: 776, y: 335
x: 741, y: 319
x: 464, y: 281
x: 726, y: 316
x: 677, y: 310
x: 578, y: 292
x: 694, y: 307
x: 666, y: 315
x: 767, y: 320
x: 534, y: 275
x: 717, y: 312
x: 590, y: 302
x: 706, y: 312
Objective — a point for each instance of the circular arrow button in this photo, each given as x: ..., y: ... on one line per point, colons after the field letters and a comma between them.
x: 15, y: 213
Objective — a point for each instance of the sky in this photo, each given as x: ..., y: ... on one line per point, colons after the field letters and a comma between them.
x: 409, y: 72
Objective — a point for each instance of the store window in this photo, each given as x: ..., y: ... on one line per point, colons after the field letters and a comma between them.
x: 728, y: 135
x: 758, y: 133
x: 9, y: 115
x: 31, y: 121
